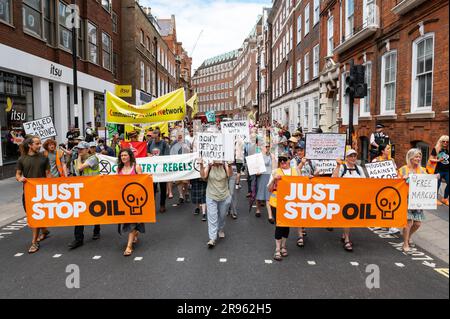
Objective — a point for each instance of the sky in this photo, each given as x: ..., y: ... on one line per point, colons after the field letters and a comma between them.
x: 225, y: 23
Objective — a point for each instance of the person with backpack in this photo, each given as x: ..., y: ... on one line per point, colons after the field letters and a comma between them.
x: 218, y: 197
x: 348, y: 169
x: 87, y: 164
x: 58, y: 167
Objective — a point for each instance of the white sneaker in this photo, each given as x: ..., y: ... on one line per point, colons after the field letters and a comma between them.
x: 211, y: 243
x: 221, y: 234
x: 237, y: 186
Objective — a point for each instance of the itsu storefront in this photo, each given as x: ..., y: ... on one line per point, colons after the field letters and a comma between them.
x: 32, y: 88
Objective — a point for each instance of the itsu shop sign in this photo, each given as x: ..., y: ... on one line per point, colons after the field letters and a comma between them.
x: 42, y: 128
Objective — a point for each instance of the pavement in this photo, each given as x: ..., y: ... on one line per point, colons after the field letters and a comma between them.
x: 172, y: 260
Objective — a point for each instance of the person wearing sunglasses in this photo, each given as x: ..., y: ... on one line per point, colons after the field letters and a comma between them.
x: 281, y: 233
x: 440, y: 157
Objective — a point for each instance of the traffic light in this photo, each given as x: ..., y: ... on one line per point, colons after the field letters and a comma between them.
x: 355, y: 82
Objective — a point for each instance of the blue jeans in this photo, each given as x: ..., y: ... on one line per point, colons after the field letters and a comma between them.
x: 445, y: 175
x: 217, y: 211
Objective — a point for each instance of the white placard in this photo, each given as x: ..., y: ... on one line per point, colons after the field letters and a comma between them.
x: 42, y: 128
x: 422, y: 191
x: 325, y: 167
x: 327, y: 146
x: 255, y: 164
x: 215, y: 146
x: 384, y: 169
x: 240, y: 128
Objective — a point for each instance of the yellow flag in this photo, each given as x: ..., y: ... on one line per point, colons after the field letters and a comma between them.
x: 169, y: 107
x: 142, y: 129
x: 193, y: 104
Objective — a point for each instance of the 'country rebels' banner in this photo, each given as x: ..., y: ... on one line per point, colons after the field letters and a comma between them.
x: 169, y: 107
x: 56, y: 202
x: 163, y: 168
x: 341, y: 202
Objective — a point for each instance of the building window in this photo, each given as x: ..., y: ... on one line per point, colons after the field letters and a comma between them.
x: 65, y: 34
x: 114, y: 22
x: 306, y: 74
x: 148, y: 86
x: 316, y: 12
x: 316, y: 57
x: 349, y: 18
x: 92, y: 43
x: 142, y: 37
x: 422, y: 88
x: 115, y: 66
x: 388, y: 82
x: 330, y: 31
x: 306, y: 116
x: 106, y: 4
x: 17, y: 92
x: 365, y: 102
x: 291, y: 37
x: 299, y: 73
x: 99, y: 109
x: 307, y: 11
x: 368, y: 12
x: 106, y: 50
x: 142, y: 77
x: 6, y: 11
x: 299, y: 29
x: 32, y: 13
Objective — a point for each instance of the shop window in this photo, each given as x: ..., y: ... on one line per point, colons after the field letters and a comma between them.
x: 16, y: 94
x: 99, y: 110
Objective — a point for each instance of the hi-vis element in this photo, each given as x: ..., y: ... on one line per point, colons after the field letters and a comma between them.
x: 193, y: 104
x: 124, y: 91
x: 167, y: 108
x: 56, y: 202
x: 341, y: 202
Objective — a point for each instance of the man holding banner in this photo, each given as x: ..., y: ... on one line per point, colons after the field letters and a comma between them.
x: 32, y: 164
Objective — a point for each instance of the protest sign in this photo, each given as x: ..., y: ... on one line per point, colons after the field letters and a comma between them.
x: 55, y: 202
x: 422, y: 191
x: 240, y: 128
x: 255, y: 164
x: 341, y: 202
x: 102, y: 132
x: 139, y: 148
x: 326, y: 146
x: 211, y: 116
x: 384, y: 169
x: 215, y: 146
x: 163, y: 168
x: 325, y: 167
x: 169, y: 107
x: 42, y: 128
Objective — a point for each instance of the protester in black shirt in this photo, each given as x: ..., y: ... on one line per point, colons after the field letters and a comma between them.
x: 440, y: 156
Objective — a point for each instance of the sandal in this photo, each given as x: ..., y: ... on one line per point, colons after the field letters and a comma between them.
x: 348, y: 246
x: 34, y: 248
x: 277, y: 256
x: 284, y: 252
x: 128, y: 251
x: 258, y: 214
x: 300, y: 242
x: 271, y: 220
x: 304, y: 233
x: 44, y: 236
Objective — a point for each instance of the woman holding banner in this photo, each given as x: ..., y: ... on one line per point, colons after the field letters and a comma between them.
x: 127, y: 166
x: 281, y: 233
x: 349, y: 169
x: 218, y: 197
x: 415, y: 216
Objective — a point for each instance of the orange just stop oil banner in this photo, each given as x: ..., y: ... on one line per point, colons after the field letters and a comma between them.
x: 341, y: 202
x: 89, y: 200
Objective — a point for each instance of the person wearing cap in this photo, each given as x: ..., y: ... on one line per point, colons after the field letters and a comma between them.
x: 133, y: 136
x: 281, y: 233
x: 376, y: 139
x: 89, y: 132
x: 348, y: 169
x: 104, y: 149
x: 71, y: 135
x: 87, y: 164
x: 293, y: 142
x: 283, y: 146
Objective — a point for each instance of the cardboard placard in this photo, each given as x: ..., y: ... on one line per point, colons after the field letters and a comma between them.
x: 42, y: 128
x: 325, y: 146
x: 255, y: 164
x: 422, y: 191
x: 384, y: 169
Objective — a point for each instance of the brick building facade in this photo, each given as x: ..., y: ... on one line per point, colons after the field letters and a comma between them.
x: 36, y: 77
x: 404, y: 47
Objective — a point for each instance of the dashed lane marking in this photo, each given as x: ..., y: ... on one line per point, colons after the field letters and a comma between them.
x: 138, y: 258
x: 442, y: 271
x: 400, y: 265
x: 354, y: 263
x: 268, y: 261
x: 57, y: 255
x: 180, y: 259
x: 18, y: 255
x: 311, y: 262
x: 223, y: 260
x: 96, y: 257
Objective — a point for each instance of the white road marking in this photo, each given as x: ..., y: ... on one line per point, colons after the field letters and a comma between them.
x: 18, y: 255
x: 96, y: 257
x: 223, y: 260
x: 268, y: 261
x: 400, y: 265
x: 354, y: 263
x: 138, y: 258
x: 57, y: 255
x: 311, y: 262
x: 180, y: 259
